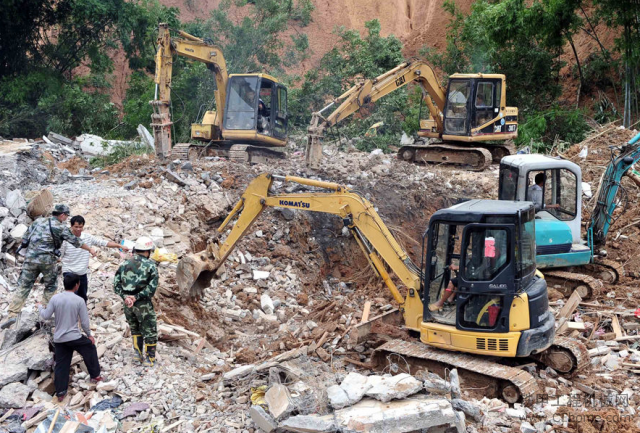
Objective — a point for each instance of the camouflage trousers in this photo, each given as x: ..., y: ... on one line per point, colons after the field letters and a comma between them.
x: 27, y: 279
x: 142, y: 321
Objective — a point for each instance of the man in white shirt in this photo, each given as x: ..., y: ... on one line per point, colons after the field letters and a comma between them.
x: 535, y: 194
x: 76, y: 260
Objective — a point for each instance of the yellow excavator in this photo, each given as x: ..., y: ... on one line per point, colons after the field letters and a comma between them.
x: 250, y: 119
x: 464, y: 118
x: 501, y: 308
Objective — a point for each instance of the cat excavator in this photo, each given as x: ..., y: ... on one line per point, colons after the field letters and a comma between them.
x: 250, y: 119
x: 501, y: 309
x: 469, y: 122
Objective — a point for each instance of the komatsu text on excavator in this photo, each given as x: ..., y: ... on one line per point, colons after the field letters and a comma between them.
x: 250, y: 116
x: 469, y: 121
x: 501, y: 308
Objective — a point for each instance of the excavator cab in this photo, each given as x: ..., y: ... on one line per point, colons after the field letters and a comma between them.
x: 476, y: 107
x: 500, y: 306
x: 256, y: 109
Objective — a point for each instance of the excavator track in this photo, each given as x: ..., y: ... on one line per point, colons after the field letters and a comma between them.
x: 245, y: 153
x: 499, y: 151
x: 566, y: 356
x: 477, y: 158
x: 566, y: 282
x: 510, y: 383
x: 609, y: 271
x: 185, y: 152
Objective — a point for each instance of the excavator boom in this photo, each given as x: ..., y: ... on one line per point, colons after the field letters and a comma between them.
x: 380, y: 247
x: 195, y: 49
x: 475, y: 107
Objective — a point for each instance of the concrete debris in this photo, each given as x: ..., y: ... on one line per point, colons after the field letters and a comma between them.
x: 146, y: 137
x: 12, y: 373
x: 262, y: 419
x: 387, y: 388
x: 14, y: 395
x: 418, y: 413
x: 278, y: 316
x: 279, y: 401
x: 310, y: 424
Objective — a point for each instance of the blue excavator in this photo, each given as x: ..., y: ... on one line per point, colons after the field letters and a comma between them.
x: 554, y: 185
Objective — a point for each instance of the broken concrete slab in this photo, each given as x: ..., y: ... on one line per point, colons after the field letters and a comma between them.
x: 309, y: 424
x: 32, y: 353
x: 355, y: 386
x: 387, y: 388
x: 279, y: 401
x: 420, y: 413
x: 469, y: 409
x: 338, y: 397
x: 15, y: 202
x: 14, y: 395
x: 10, y: 373
x: 172, y: 177
x: 21, y: 330
x: 262, y: 419
x: 239, y: 372
x: 266, y: 304
x: 18, y: 231
x: 146, y: 137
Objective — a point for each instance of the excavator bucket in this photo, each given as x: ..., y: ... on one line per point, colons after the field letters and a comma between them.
x: 195, y: 271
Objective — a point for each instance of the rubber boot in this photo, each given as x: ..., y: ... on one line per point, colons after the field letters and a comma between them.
x: 150, y: 356
x: 137, y: 348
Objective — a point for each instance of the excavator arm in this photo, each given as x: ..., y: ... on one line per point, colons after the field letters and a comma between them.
x: 370, y: 91
x: 195, y: 49
x: 606, y: 204
x: 378, y: 244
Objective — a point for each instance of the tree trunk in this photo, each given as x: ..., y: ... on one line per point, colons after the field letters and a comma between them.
x: 575, y: 54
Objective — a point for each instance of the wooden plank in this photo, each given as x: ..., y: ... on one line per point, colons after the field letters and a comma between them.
x: 566, y: 311
x: 200, y: 346
x: 595, y: 328
x: 358, y: 363
x: 69, y: 427
x: 584, y: 388
x: 7, y: 415
x: 629, y: 337
x: 172, y: 426
x: 615, y: 324
x: 322, y: 340
x: 366, y: 311
x: 578, y: 326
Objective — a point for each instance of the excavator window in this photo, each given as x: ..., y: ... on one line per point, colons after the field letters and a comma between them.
x: 508, y: 183
x: 487, y: 253
x: 457, y: 111
x: 484, y: 103
x: 241, y: 103
x: 559, y: 192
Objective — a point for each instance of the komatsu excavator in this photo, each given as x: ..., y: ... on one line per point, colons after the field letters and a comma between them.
x: 250, y: 119
x: 571, y: 259
x: 501, y: 309
x: 465, y: 117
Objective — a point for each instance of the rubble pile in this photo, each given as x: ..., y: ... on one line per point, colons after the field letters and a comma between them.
x: 268, y: 346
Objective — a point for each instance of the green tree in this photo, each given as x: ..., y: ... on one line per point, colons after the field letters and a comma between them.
x: 623, y: 15
x: 356, y: 57
x: 43, y: 44
x: 254, y: 43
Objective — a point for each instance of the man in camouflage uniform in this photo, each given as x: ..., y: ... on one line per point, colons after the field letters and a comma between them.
x: 43, y: 240
x: 136, y: 282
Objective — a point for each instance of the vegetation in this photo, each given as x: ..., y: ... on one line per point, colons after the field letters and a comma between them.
x: 56, y: 61
x: 57, y: 71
